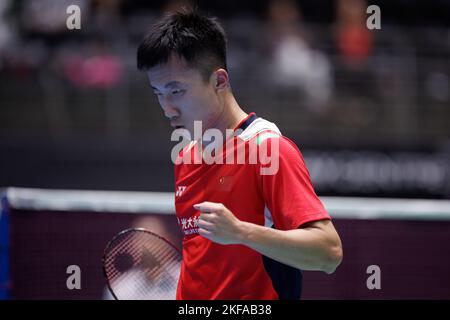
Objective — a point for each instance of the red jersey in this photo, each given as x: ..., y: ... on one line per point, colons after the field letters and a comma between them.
x: 284, y: 199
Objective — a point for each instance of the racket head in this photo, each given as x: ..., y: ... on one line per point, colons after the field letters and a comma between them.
x: 141, y: 265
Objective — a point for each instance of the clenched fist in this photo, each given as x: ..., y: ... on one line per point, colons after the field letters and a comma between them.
x: 218, y: 224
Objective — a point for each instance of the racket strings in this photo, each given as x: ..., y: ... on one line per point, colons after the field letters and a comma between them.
x: 142, y: 284
x: 149, y: 270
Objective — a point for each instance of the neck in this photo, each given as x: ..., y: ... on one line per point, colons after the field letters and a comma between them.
x: 231, y: 115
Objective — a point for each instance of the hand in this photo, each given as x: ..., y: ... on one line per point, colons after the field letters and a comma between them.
x: 218, y: 224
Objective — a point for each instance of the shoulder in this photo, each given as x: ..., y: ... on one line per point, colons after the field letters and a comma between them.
x: 257, y: 128
x: 276, y: 145
x: 274, y: 150
x: 288, y: 148
x: 262, y: 131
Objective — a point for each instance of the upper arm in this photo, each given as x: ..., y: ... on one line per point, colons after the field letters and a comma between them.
x: 289, y: 193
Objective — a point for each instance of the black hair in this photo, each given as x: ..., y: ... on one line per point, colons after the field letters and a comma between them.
x: 198, y: 39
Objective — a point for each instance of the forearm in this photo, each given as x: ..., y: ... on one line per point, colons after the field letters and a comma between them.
x: 315, y: 246
x: 305, y: 249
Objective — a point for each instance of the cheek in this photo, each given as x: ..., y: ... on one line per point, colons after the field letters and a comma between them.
x: 199, y: 103
x: 208, y: 99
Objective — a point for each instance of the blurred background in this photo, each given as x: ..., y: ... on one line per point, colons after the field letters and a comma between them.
x: 369, y: 109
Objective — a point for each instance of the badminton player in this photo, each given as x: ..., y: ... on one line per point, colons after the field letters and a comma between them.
x: 247, y: 232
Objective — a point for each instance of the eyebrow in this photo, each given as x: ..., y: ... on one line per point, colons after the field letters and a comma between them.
x: 169, y: 84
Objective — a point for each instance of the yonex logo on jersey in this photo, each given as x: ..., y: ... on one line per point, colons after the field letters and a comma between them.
x: 180, y: 191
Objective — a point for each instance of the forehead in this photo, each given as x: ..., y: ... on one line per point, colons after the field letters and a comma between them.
x: 175, y: 70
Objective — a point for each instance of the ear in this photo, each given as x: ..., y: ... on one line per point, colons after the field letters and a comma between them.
x: 220, y: 79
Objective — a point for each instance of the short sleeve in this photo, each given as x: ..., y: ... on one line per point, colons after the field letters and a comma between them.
x: 288, y: 192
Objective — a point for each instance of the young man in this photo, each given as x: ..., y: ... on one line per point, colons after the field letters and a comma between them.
x: 247, y: 231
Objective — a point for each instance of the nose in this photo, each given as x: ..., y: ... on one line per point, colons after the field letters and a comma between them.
x: 170, y: 111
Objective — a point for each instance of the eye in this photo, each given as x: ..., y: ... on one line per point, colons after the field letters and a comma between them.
x: 178, y: 91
